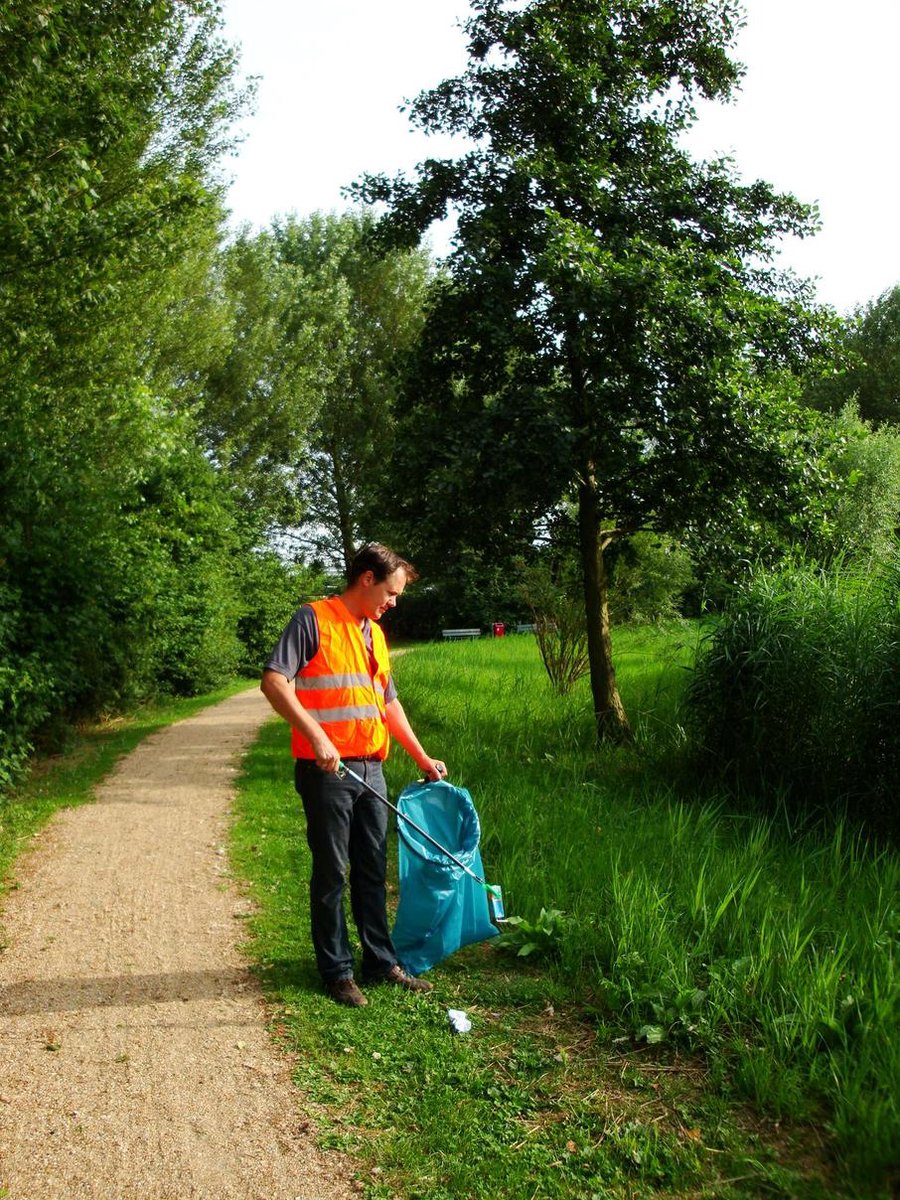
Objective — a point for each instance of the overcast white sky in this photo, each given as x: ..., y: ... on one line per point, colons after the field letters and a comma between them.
x: 817, y: 114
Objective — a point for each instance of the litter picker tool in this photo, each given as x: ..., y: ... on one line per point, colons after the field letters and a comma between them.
x: 494, y: 892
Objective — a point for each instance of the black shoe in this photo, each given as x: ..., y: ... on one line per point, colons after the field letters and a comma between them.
x: 399, y: 978
x: 345, y: 991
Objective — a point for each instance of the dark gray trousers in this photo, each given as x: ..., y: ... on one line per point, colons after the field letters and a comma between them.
x: 347, y: 825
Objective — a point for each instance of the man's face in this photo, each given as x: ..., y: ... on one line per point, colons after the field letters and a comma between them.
x: 379, y: 597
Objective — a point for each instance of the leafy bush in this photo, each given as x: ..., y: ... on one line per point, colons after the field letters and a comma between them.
x: 796, y: 694
x: 864, y: 516
x: 128, y: 596
x: 553, y: 593
x: 271, y: 590
x: 649, y: 574
x: 166, y: 583
x: 538, y: 939
x: 25, y: 694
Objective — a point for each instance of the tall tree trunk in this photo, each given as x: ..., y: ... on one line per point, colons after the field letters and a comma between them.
x: 609, y: 713
x: 342, y: 502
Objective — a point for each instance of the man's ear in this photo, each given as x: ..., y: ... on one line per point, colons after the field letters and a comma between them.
x: 367, y: 578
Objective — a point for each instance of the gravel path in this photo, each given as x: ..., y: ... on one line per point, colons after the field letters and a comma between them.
x: 134, y: 1057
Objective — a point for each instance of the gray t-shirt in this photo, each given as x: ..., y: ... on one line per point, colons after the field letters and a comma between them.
x: 299, y: 643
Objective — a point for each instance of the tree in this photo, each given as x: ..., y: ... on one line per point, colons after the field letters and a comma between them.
x: 114, y: 117
x: 868, y: 370
x: 299, y: 411
x: 366, y: 307
x: 257, y: 401
x: 613, y: 303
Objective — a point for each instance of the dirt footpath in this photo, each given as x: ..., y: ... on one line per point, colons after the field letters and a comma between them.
x: 134, y: 1059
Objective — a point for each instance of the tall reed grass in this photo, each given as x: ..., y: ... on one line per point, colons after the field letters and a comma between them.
x: 797, y: 695
x: 775, y: 955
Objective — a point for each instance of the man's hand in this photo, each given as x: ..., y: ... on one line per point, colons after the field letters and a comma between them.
x: 281, y: 695
x: 327, y: 756
x: 434, y: 769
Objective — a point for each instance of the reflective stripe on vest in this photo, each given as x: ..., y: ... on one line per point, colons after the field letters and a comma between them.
x: 350, y: 712
x: 315, y: 682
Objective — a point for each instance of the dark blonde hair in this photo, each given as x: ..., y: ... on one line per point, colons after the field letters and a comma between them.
x: 381, y: 561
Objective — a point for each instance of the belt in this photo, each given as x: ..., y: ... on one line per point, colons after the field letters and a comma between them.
x: 355, y: 758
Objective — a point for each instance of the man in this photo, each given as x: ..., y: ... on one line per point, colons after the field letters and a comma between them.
x: 329, y: 676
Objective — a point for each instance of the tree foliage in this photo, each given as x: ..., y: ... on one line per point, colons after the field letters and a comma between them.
x: 614, y: 330
x: 162, y: 398
x: 366, y: 307
x: 299, y: 412
x: 868, y: 371
x: 863, y: 515
x: 259, y: 397
x: 117, y: 540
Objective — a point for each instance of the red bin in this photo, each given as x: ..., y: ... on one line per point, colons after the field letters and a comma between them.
x: 499, y: 629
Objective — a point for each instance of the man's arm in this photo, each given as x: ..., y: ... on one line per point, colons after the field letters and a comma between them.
x: 281, y: 694
x: 398, y: 724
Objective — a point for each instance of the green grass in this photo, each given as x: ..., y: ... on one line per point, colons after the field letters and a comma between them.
x: 65, y: 780
x: 714, y: 1017
x: 714, y: 1009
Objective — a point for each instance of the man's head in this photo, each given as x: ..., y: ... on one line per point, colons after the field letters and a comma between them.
x: 381, y: 562
x: 375, y: 581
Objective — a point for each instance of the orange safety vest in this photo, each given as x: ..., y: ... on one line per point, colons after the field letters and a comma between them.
x: 337, y: 686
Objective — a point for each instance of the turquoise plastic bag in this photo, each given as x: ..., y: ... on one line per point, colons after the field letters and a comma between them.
x: 441, y: 907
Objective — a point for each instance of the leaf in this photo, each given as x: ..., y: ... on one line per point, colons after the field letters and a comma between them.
x: 651, y: 1034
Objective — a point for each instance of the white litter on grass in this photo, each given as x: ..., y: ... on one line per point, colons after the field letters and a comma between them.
x: 459, y: 1022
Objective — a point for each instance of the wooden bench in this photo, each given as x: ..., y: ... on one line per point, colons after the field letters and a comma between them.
x: 450, y: 634
x: 525, y: 628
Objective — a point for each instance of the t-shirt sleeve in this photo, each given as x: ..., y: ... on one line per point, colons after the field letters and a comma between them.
x: 298, y: 644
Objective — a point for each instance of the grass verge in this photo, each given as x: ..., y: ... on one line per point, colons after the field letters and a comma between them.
x: 610, y: 1068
